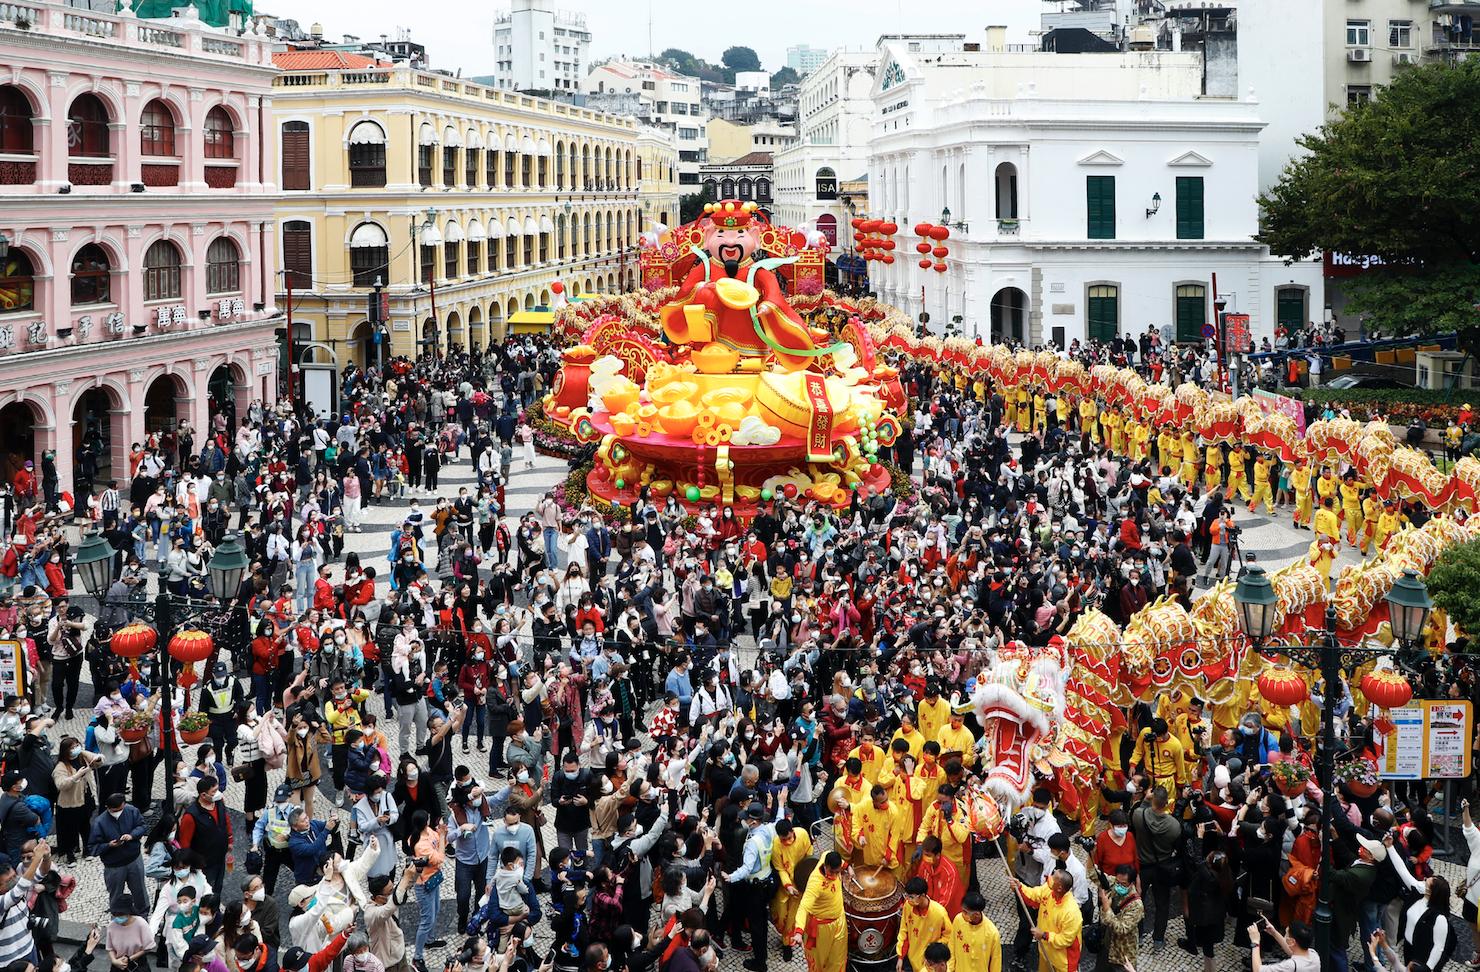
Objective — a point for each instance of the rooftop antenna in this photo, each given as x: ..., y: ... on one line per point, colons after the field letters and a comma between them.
x: 650, y: 30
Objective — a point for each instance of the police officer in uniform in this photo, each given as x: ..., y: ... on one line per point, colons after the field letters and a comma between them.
x: 754, y: 882
x: 270, y: 836
x: 219, y: 695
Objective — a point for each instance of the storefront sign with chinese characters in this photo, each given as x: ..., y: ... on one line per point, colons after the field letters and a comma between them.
x: 168, y: 316
x: 228, y: 308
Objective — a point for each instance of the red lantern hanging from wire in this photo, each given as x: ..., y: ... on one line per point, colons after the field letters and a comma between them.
x: 925, y: 264
x: 922, y: 248
x: 889, y: 229
x: 940, y: 252
x: 922, y: 229
x: 189, y: 647
x: 1387, y: 689
x: 1283, y: 686
x: 938, y: 233
x: 940, y: 268
x: 133, y: 640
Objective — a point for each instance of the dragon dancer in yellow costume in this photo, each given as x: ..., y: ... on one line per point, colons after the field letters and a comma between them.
x: 820, y: 926
x: 1300, y: 482
x: 1089, y: 418
x: 1238, y: 482
x: 1262, y: 489
x: 1190, y: 457
x: 1213, y: 467
x: 1351, y: 507
x: 1371, y: 512
x: 1328, y: 537
x: 790, y: 847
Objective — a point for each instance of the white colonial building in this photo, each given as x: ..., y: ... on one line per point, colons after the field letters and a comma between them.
x: 1088, y: 195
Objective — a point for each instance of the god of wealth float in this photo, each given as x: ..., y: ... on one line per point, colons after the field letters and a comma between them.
x: 739, y: 398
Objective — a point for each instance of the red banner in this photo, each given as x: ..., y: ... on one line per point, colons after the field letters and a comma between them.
x: 819, y: 424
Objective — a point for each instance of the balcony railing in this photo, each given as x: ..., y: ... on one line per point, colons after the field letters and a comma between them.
x: 90, y: 26
x: 14, y: 13
x: 160, y: 38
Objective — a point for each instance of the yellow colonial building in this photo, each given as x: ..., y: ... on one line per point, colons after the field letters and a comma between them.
x: 462, y: 202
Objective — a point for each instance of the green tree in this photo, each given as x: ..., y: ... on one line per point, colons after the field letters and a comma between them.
x: 1452, y: 583
x: 783, y: 77
x: 680, y: 60
x: 740, y: 59
x: 691, y: 206
x: 1397, y: 177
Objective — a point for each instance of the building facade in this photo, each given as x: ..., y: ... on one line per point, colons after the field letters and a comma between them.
x: 539, y: 48
x: 1074, y: 216
x: 804, y: 60
x: 730, y: 140
x: 657, y: 97
x: 748, y: 179
x: 464, y: 202
x: 835, y: 113
x: 136, y: 278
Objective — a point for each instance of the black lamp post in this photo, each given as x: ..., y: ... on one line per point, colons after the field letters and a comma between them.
x: 1258, y: 609
x: 94, y: 561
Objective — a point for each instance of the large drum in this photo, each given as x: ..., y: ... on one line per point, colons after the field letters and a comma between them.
x: 871, y: 904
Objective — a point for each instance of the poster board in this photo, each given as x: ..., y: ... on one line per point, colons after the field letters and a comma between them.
x: 1283, y: 404
x: 12, y: 674
x: 1430, y: 740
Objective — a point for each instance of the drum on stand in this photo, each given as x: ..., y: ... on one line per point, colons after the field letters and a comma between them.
x: 872, y: 903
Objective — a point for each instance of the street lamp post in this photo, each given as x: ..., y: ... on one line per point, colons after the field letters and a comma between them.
x: 227, y: 566
x: 1258, y: 609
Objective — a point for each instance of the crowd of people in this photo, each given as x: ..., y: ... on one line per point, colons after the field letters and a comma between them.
x: 664, y: 737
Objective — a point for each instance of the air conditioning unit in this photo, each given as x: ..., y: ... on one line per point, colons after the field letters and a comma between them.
x: 1359, y: 55
x: 1402, y: 60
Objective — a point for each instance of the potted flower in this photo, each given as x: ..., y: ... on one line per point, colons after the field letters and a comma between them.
x: 1359, y: 776
x: 1290, y: 777
x: 194, y: 727
x: 135, y: 726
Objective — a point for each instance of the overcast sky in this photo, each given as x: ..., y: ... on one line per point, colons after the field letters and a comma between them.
x: 459, y: 34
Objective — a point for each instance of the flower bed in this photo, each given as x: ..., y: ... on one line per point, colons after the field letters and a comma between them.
x: 550, y: 437
x: 1398, y: 405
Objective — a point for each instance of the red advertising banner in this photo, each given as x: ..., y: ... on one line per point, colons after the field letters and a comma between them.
x: 1236, y: 333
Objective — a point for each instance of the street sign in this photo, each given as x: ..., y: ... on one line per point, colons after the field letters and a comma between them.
x: 1209, y: 331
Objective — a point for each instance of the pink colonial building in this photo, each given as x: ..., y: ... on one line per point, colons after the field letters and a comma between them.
x: 136, y: 230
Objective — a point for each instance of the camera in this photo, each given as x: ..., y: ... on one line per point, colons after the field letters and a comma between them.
x: 1019, y: 827
x: 421, y: 861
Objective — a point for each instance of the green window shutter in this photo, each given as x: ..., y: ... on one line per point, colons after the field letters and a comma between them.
x: 1191, y: 313
x: 1189, y: 207
x: 1103, y: 313
x: 1100, y: 199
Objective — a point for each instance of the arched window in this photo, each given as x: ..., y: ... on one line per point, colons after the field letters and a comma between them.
x: 1007, y: 207
x: 87, y: 127
x: 17, y: 283
x: 162, y: 272
x: 827, y: 183
x: 745, y: 186
x: 15, y: 122
x: 223, y: 267
x: 220, y: 134
x: 367, y: 155
x: 91, y: 275
x: 560, y: 236
x: 727, y: 189
x: 157, y: 129
x: 369, y: 254
x: 559, y: 165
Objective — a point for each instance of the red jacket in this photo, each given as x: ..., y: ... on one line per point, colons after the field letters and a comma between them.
x: 323, y: 595
x: 321, y: 960
x: 266, y: 653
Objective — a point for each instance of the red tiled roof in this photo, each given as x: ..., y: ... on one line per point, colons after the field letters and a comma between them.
x: 754, y: 158
x: 320, y: 60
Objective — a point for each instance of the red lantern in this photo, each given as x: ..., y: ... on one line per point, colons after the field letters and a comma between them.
x: 925, y: 264
x: 940, y: 268
x: 888, y: 258
x: 939, y: 233
x: 1387, y: 690
x: 940, y: 252
x: 557, y: 287
x: 889, y: 229
x: 887, y: 244
x: 858, y: 238
x: 133, y: 640
x: 856, y: 223
x: 870, y: 226
x: 190, y: 647
x: 1282, y: 686
x: 923, y: 229
x: 922, y: 248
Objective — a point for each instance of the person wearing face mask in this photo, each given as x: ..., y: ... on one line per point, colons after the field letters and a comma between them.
x: 73, y: 776
x: 1114, y: 846
x: 129, y: 939
x: 116, y: 839
x: 184, y: 872
x: 16, y: 816
x: 205, y: 828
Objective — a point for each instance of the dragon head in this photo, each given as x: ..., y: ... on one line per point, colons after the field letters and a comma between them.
x: 1019, y: 702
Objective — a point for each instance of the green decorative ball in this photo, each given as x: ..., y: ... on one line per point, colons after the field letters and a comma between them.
x: 621, y: 484
x: 693, y: 494
x: 766, y: 495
